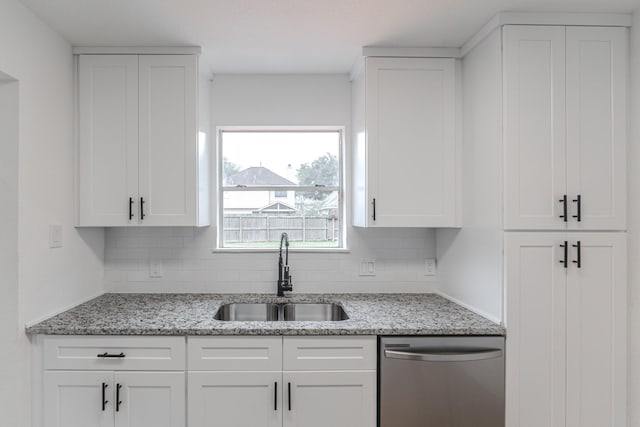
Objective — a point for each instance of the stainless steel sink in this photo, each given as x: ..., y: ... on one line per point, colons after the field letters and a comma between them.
x: 248, y: 312
x: 305, y: 312
x: 266, y: 312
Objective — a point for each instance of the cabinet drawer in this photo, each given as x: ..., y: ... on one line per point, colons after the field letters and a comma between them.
x: 235, y: 353
x: 138, y: 353
x: 329, y: 353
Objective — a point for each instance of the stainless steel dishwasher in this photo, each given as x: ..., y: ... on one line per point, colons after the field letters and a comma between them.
x: 441, y: 381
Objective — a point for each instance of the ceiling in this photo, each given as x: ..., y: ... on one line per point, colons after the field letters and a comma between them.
x: 288, y: 36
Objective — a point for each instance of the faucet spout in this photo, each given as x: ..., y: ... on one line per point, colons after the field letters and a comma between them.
x: 284, y: 278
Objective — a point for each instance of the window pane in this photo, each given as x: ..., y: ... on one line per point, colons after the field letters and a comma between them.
x: 281, y: 158
x: 256, y: 219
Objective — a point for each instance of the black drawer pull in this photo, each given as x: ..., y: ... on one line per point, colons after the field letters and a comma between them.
x: 118, y: 401
x: 578, y: 202
x: 106, y: 355
x: 565, y: 246
x: 564, y: 208
x: 104, y: 396
x: 578, y: 260
x: 374, y: 208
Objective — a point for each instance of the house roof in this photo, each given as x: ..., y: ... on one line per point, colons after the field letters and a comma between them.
x: 277, y: 207
x: 257, y: 175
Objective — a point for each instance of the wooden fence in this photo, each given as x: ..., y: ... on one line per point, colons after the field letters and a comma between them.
x: 264, y: 228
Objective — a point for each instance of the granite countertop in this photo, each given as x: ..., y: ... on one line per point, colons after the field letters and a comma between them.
x: 192, y: 314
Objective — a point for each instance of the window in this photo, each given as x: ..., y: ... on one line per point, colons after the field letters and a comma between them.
x: 275, y: 181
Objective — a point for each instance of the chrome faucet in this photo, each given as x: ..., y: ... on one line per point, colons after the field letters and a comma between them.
x: 284, y: 279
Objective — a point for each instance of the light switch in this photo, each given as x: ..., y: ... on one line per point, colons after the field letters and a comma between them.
x: 55, y: 235
x: 367, y: 267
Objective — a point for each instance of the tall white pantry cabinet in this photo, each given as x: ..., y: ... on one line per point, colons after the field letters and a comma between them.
x: 565, y: 169
x: 544, y: 181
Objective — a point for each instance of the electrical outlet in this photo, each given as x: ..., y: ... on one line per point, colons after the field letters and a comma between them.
x: 430, y: 267
x: 367, y: 267
x: 155, y: 268
x: 55, y: 236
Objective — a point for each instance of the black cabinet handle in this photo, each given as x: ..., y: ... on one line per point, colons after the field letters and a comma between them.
x: 141, y: 208
x: 565, y: 246
x: 118, y: 401
x: 289, y: 391
x: 106, y: 355
x: 104, y: 396
x: 374, y: 208
x: 578, y: 202
x: 578, y: 260
x: 130, y: 208
x: 564, y: 207
x: 275, y: 396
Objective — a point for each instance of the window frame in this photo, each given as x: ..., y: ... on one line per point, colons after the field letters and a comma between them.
x: 340, y: 188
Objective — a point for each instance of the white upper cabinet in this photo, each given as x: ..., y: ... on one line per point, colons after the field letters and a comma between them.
x: 107, y: 150
x: 534, y: 126
x: 564, y: 127
x: 597, y: 126
x: 405, y: 157
x: 168, y: 139
x: 137, y: 150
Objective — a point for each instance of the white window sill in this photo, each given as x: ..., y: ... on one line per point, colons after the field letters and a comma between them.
x: 276, y: 250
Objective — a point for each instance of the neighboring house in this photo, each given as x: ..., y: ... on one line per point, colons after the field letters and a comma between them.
x: 259, y: 202
x: 329, y: 206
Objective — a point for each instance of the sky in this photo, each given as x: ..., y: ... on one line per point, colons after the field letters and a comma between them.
x: 281, y: 152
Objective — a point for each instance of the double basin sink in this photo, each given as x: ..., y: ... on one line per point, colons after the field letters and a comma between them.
x: 266, y: 312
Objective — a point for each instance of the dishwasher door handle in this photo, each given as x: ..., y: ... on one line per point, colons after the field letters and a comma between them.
x: 461, y: 355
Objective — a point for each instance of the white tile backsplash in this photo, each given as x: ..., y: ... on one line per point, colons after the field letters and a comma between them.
x: 191, y: 265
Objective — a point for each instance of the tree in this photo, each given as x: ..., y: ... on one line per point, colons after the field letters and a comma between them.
x: 229, y: 168
x: 322, y: 171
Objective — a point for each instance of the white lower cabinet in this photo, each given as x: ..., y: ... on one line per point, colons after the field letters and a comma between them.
x: 130, y: 399
x: 239, y: 381
x: 235, y: 399
x: 74, y: 399
x: 566, y: 322
x: 337, y: 399
x: 110, y: 393
x: 336, y: 383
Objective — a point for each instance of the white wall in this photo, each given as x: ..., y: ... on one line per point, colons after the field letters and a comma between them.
x: 190, y: 265
x: 11, y: 367
x: 49, y: 279
x: 470, y: 259
x: 634, y: 228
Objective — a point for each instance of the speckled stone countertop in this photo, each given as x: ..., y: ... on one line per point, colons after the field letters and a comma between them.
x: 193, y: 314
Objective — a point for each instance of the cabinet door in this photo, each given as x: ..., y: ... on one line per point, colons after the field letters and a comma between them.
x: 168, y: 140
x: 107, y: 149
x: 534, y: 127
x: 596, y: 331
x: 74, y: 399
x: 596, y: 126
x: 536, y: 329
x: 337, y: 399
x: 150, y: 399
x: 411, y: 141
x: 239, y: 399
